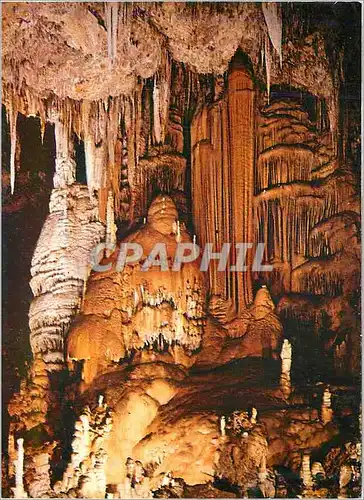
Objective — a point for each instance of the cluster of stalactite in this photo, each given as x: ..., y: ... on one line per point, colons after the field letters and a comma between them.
x: 285, y: 145
x: 117, y: 133
x: 289, y: 311
x: 328, y: 283
x: 286, y: 216
x: 222, y: 176
x: 331, y: 236
x: 287, y: 155
x: 298, y: 188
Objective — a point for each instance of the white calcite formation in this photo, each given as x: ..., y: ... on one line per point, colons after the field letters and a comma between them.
x: 253, y: 418
x: 306, y: 471
x: 19, y: 491
x: 286, y: 356
x: 223, y: 426
x: 346, y: 474
x: 60, y: 267
x: 85, y: 474
x: 326, y: 410
x: 65, y: 164
x: 40, y: 486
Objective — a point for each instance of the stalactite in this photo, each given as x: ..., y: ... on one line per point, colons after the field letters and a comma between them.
x: 133, y: 119
x: 65, y: 164
x: 12, y: 118
x: 99, y: 128
x: 268, y: 65
x: 328, y: 283
x: 283, y: 164
x: 110, y: 223
x: 273, y: 18
x: 111, y: 22
x: 287, y: 215
x: 241, y: 119
x: 156, y: 114
x: 161, y: 99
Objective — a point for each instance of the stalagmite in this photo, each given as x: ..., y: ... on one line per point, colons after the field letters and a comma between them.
x: 326, y: 398
x: 345, y: 476
x: 40, y: 486
x: 326, y: 410
x: 69, y: 234
x: 306, y: 470
x: 253, y: 418
x: 19, y: 491
x: 286, y: 356
x: 86, y: 470
x: 223, y: 426
x: 11, y: 453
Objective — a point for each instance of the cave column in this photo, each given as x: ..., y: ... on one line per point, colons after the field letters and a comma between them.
x: 241, y: 136
x: 65, y: 164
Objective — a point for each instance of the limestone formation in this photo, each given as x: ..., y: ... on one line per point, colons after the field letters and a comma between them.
x: 223, y: 426
x: 217, y: 157
x: 286, y: 356
x: 306, y: 470
x: 19, y: 491
x: 150, y: 313
x: 86, y: 470
x: 326, y: 410
x: 253, y: 417
x: 317, y: 471
x: 60, y: 267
